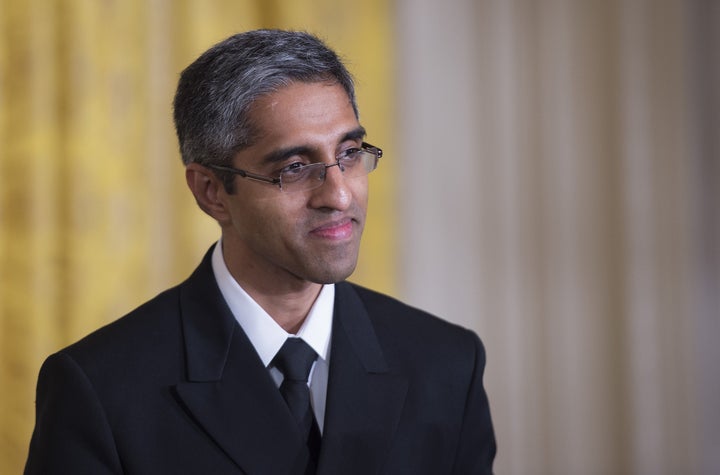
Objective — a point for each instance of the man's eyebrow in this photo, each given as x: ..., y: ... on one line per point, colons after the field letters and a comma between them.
x: 355, y: 134
x: 279, y: 155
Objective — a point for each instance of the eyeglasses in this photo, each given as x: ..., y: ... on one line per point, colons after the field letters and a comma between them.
x: 354, y: 162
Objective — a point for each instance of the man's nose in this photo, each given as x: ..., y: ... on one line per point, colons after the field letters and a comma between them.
x: 334, y: 193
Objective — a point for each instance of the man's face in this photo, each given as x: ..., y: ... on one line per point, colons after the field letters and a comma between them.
x: 274, y: 237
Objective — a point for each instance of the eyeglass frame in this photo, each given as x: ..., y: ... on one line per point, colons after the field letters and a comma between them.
x: 364, y: 147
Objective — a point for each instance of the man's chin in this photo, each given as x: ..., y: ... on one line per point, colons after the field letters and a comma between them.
x: 332, y: 274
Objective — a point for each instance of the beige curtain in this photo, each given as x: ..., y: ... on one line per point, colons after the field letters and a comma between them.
x: 94, y: 213
x: 559, y: 193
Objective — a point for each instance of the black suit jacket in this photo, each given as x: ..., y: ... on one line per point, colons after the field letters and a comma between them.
x: 175, y: 387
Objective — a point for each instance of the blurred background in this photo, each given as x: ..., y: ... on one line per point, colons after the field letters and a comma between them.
x: 550, y: 180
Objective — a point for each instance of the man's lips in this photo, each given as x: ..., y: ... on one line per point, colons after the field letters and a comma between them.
x: 341, y: 229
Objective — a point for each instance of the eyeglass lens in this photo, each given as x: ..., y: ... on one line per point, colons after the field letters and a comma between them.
x: 354, y: 165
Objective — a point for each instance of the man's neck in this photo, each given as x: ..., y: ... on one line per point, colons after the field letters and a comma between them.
x: 285, y: 297
x: 288, y: 307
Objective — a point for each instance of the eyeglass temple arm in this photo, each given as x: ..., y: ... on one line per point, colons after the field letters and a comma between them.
x: 246, y: 174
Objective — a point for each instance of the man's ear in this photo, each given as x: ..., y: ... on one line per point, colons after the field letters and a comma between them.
x: 208, y: 191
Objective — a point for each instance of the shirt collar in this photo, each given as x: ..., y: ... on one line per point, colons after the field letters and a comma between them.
x: 264, y: 333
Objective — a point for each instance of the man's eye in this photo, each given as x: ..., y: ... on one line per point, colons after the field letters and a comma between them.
x: 295, y: 167
x: 350, y: 153
x: 350, y: 157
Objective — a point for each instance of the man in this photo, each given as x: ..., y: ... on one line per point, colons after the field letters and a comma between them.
x: 188, y: 383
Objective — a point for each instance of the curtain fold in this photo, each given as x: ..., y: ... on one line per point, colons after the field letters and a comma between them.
x: 95, y: 216
x: 571, y: 142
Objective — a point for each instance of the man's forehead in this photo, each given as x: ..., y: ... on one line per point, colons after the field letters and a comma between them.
x: 304, y: 109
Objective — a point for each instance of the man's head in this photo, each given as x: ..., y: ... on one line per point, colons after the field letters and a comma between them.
x: 270, y: 106
x: 216, y: 91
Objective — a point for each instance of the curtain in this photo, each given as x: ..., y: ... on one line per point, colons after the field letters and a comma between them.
x: 95, y: 216
x: 560, y: 195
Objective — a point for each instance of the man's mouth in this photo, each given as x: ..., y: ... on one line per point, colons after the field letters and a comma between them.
x: 337, y: 230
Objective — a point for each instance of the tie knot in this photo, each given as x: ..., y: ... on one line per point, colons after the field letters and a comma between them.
x: 295, y: 359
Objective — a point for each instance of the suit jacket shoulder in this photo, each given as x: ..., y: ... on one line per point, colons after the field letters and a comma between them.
x: 408, y: 384
x: 420, y: 336
x: 404, y: 315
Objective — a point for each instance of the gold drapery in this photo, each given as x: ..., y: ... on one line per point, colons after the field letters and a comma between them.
x: 95, y: 216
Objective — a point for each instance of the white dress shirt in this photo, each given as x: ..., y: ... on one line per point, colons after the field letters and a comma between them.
x: 267, y: 336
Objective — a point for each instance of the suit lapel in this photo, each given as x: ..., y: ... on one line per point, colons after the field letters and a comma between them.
x: 229, y: 392
x: 231, y: 396
x: 365, y: 395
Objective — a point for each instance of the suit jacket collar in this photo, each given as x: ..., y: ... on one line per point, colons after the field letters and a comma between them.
x: 228, y: 391
x: 366, y: 393
x: 230, y: 394
x: 208, y: 324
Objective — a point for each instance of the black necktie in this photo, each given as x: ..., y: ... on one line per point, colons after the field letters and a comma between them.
x: 294, y: 360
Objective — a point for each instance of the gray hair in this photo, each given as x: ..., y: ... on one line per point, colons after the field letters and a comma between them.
x: 215, y: 92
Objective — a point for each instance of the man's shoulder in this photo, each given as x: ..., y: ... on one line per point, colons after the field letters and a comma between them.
x: 374, y: 300
x: 417, y: 342
x: 148, y: 326
x: 152, y: 324
x: 389, y: 312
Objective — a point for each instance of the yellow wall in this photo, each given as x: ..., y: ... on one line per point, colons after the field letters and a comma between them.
x: 94, y: 214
